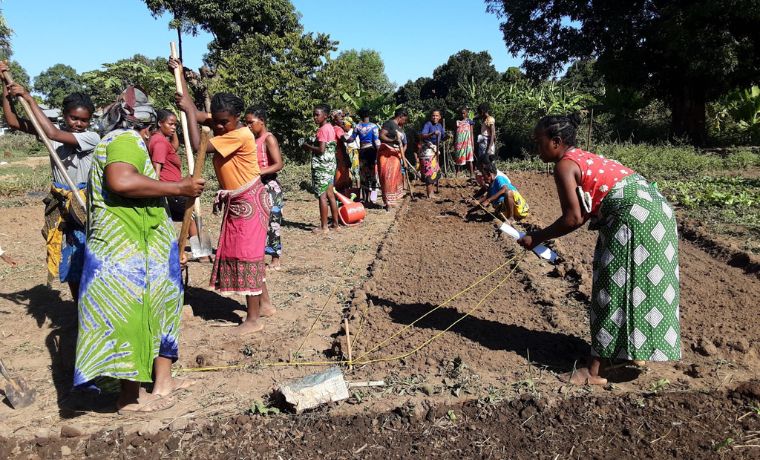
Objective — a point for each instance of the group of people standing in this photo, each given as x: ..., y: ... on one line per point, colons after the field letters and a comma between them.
x: 123, y: 265
x: 121, y: 260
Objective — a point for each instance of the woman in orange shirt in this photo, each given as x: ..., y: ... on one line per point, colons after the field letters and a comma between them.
x: 239, y: 267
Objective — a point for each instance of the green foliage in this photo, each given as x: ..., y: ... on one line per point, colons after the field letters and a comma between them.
x: 381, y: 107
x: 279, y: 73
x: 56, y: 83
x: 151, y: 75
x: 20, y: 75
x: 17, y: 144
x: 732, y: 192
x: 736, y: 116
x: 685, y: 53
x: 5, y: 38
x: 352, y: 70
x: 231, y: 21
x: 259, y: 408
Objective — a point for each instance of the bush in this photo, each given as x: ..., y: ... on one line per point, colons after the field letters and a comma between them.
x: 16, y: 144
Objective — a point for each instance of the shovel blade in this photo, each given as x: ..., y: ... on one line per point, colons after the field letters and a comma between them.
x: 18, y: 393
x: 197, y: 248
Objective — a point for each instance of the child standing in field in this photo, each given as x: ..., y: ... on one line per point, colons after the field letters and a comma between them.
x: 64, y: 231
x: 323, y: 167
x: 503, y: 195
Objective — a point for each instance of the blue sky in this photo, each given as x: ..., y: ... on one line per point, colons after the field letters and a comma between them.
x: 413, y: 36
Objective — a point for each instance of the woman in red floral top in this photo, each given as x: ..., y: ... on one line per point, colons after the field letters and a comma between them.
x: 634, y: 311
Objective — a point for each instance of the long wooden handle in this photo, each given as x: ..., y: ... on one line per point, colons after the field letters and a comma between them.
x: 197, y: 174
x: 183, y: 121
x: 51, y: 151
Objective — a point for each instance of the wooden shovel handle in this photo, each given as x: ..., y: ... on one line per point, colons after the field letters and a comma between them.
x: 51, y: 151
x: 197, y: 174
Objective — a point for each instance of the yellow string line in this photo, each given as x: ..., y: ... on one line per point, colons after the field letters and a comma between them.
x: 334, y: 290
x: 436, y: 336
x: 370, y: 361
x: 448, y: 301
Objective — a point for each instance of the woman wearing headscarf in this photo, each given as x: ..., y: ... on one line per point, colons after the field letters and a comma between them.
x: 131, y: 291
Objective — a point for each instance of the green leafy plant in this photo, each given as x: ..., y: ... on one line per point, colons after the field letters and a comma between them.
x: 259, y: 408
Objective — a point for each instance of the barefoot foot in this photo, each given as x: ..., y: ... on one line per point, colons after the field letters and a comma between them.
x: 249, y: 327
x: 267, y: 311
x: 275, y: 264
x: 146, y: 404
x: 321, y: 230
x: 582, y: 376
x: 173, y: 385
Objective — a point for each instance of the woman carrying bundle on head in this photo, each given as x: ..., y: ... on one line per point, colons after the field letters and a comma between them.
x: 369, y: 141
x: 131, y: 293
x: 635, y: 295
x: 392, y: 141
x: 270, y: 162
x: 63, y: 230
x: 239, y: 266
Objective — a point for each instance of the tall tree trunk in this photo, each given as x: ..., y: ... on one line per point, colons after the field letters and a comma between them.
x: 179, y: 43
x: 688, y: 108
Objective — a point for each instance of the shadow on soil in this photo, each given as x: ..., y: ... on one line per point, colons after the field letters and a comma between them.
x: 555, y: 350
x: 210, y: 306
x: 45, y: 304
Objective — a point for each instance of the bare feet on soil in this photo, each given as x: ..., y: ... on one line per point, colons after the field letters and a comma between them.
x: 582, y: 376
x: 172, y: 386
x: 147, y: 403
x: 249, y: 327
x: 266, y: 312
x: 274, y: 264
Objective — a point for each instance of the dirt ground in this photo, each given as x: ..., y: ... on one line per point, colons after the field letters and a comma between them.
x: 483, y: 387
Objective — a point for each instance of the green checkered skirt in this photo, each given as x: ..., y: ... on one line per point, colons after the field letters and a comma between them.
x: 635, y: 297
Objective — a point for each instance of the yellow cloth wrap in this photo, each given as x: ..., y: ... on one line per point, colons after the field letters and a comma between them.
x: 57, y: 201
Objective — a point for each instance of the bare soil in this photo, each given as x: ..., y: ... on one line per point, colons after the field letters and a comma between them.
x: 484, y: 387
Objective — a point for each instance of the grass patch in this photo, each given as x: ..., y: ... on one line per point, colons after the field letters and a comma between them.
x: 716, y: 190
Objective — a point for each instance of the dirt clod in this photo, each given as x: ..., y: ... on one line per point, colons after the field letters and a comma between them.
x: 706, y: 347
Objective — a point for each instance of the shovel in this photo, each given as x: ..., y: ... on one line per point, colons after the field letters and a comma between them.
x: 200, y: 245
x: 78, y: 207
x: 17, y: 391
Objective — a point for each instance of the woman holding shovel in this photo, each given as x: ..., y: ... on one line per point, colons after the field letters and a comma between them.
x: 131, y: 295
x: 239, y: 266
x: 64, y: 231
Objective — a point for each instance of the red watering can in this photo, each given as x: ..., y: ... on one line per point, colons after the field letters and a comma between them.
x: 350, y: 212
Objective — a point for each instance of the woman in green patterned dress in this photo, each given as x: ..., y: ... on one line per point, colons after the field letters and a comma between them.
x: 131, y: 292
x: 635, y: 296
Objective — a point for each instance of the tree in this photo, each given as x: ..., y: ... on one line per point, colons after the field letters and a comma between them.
x: 351, y: 71
x: 277, y: 73
x: 152, y: 75
x: 685, y: 52
x: 230, y: 21
x: 56, y: 83
x: 181, y: 20
x: 461, y: 68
